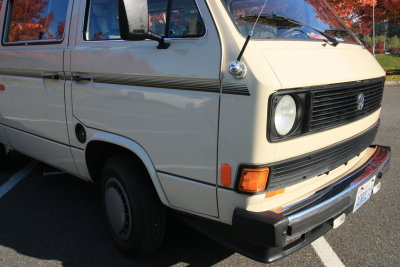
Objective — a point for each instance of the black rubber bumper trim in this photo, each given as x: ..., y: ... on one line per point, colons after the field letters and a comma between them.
x: 265, y: 228
x: 268, y: 236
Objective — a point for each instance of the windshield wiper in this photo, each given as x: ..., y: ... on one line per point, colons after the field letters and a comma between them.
x: 278, y: 20
x: 337, y: 31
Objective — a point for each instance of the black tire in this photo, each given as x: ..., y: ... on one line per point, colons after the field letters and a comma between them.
x: 3, y: 157
x: 10, y: 159
x: 134, y: 213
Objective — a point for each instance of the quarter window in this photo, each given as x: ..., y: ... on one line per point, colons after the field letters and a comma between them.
x: 36, y: 20
x: 185, y: 19
x: 182, y: 17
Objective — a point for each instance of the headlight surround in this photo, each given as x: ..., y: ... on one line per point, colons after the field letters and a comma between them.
x: 285, y: 115
x: 288, y: 114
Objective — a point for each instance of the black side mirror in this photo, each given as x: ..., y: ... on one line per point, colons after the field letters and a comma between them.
x: 134, y: 22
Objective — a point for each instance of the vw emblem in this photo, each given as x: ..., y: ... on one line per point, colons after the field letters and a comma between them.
x: 360, y: 101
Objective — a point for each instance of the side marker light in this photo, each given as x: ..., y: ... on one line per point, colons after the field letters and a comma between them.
x: 226, y: 175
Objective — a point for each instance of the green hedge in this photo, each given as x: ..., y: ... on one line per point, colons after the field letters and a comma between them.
x: 389, y: 62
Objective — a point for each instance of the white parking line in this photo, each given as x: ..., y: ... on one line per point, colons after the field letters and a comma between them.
x: 17, y: 177
x: 326, y: 253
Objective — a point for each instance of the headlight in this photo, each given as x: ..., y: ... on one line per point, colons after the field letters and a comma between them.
x: 285, y: 115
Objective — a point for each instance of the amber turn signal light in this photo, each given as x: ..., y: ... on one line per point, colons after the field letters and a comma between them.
x: 226, y: 174
x: 253, y: 180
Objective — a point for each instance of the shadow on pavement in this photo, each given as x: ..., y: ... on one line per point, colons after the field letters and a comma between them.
x: 59, y: 218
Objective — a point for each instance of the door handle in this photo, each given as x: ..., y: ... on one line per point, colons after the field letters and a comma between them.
x: 54, y: 76
x: 78, y: 78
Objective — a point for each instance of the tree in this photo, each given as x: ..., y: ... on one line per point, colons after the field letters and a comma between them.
x: 379, y: 47
x: 357, y: 14
x: 29, y: 21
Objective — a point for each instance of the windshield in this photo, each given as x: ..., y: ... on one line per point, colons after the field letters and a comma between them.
x: 305, y: 19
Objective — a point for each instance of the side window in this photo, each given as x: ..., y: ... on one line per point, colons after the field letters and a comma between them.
x: 158, y: 10
x: 102, y: 20
x: 183, y: 17
x: 36, y: 20
x: 185, y: 20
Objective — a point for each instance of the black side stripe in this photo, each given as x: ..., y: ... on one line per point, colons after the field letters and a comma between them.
x: 202, y: 85
x: 235, y: 89
x: 175, y: 83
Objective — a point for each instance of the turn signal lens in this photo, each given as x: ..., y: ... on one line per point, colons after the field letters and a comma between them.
x: 253, y: 180
x: 226, y: 174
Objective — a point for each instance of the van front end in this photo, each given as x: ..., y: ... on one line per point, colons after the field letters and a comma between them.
x: 296, y: 129
x: 269, y: 235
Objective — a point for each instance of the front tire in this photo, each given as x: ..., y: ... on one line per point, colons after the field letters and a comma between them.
x: 9, y: 159
x: 133, y: 211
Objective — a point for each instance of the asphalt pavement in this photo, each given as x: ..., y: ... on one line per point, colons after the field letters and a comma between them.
x: 56, y: 220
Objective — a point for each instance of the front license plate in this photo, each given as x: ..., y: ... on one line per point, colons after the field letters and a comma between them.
x: 364, y: 193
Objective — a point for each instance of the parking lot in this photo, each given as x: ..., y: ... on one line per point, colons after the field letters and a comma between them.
x: 52, y: 219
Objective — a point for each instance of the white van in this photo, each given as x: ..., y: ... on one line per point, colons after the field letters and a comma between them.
x: 254, y: 119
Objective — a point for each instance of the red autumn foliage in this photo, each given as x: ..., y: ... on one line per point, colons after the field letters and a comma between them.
x: 29, y: 22
x: 379, y: 48
x: 394, y: 50
x: 357, y: 14
x: 60, y: 30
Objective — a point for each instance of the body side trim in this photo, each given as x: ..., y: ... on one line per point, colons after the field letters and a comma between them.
x: 187, y: 84
x: 60, y: 143
x: 186, y: 178
x: 203, y: 85
x: 27, y: 73
x: 235, y: 89
x: 47, y: 140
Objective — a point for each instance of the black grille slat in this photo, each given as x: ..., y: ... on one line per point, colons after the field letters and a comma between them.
x: 372, y: 99
x: 326, y: 123
x: 319, y: 100
x: 333, y: 104
x: 338, y: 105
x: 324, y: 101
x: 332, y: 111
x: 346, y: 117
x: 292, y: 171
x: 356, y: 88
x: 348, y: 102
x: 316, y: 160
x: 337, y: 159
x: 333, y: 158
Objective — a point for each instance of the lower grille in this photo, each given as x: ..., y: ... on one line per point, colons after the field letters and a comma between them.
x: 292, y: 171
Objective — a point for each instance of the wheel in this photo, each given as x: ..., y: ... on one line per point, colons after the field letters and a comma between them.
x: 135, y: 216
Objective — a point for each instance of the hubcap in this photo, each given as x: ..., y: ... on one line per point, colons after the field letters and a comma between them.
x: 118, y: 209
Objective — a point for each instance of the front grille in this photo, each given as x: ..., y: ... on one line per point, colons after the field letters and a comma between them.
x: 292, y: 171
x: 338, y: 104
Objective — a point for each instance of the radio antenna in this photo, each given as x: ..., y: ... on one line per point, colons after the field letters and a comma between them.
x: 251, y: 33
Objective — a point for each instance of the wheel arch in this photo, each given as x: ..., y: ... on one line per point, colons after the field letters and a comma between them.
x: 102, y: 146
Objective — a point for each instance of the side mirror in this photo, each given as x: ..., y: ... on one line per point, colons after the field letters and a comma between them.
x: 134, y: 22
